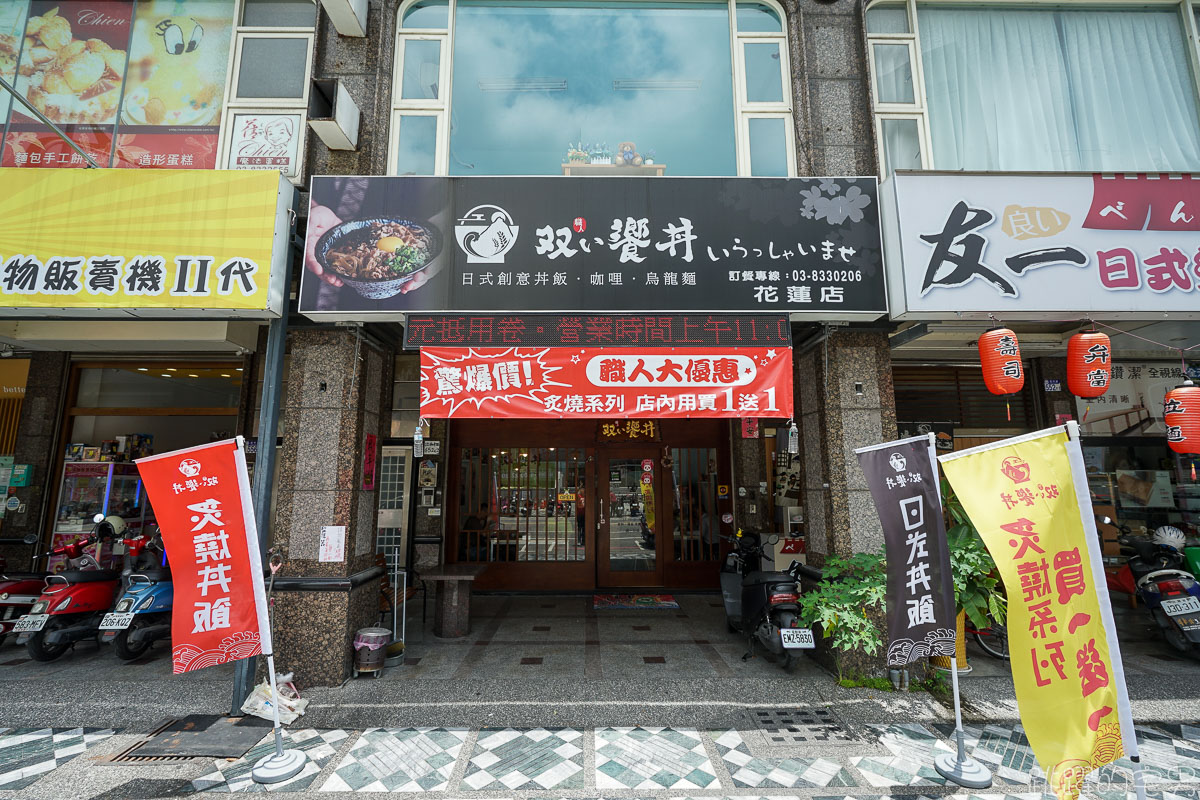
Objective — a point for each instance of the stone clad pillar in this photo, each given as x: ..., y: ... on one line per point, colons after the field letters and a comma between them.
x: 338, y: 393
x: 844, y: 387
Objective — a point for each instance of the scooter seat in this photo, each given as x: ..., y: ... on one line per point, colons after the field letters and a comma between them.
x: 769, y: 577
x: 156, y: 575
x: 89, y: 575
x: 23, y: 576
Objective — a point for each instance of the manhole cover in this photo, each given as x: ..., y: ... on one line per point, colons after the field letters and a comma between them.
x: 783, y: 726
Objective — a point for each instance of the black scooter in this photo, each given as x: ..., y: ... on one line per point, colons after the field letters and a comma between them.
x: 763, y: 605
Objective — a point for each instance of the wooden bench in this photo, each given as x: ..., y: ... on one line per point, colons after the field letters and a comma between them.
x: 452, y: 609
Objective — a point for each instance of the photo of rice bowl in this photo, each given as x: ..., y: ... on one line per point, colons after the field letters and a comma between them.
x: 377, y: 257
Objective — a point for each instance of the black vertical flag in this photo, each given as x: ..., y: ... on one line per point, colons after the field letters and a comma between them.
x: 920, y: 596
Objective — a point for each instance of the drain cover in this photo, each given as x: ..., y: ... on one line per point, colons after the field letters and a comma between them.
x: 804, y: 724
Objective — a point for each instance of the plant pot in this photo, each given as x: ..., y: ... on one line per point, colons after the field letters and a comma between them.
x: 960, y: 648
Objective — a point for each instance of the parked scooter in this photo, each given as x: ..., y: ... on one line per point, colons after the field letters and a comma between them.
x: 1171, y: 593
x: 143, y: 614
x: 18, y: 592
x: 763, y: 605
x: 72, y: 602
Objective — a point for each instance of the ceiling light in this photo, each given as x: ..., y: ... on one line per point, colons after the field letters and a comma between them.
x: 166, y: 374
x: 143, y: 369
x: 171, y: 369
x: 239, y: 369
x: 193, y: 375
x: 224, y: 374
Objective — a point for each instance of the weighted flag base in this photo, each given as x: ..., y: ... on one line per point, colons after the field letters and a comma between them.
x: 968, y: 772
x: 280, y: 766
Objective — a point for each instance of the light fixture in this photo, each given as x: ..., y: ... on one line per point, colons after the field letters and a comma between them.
x: 171, y: 369
x: 193, y: 375
x: 239, y: 369
x: 143, y: 369
x: 224, y: 374
x: 166, y: 374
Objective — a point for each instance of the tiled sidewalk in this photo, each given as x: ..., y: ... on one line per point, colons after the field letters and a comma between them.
x: 627, y: 762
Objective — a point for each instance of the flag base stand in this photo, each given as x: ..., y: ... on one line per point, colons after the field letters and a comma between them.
x: 963, y: 770
x: 279, y: 766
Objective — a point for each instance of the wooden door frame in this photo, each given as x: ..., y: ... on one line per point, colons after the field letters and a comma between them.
x: 606, y: 578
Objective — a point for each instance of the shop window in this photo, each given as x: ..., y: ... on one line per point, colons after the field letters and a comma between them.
x: 551, y: 88
x: 162, y: 96
x: 956, y: 397
x: 406, y: 408
x: 1139, y: 482
x: 998, y: 88
x: 159, y: 387
x: 395, y: 464
x: 520, y: 504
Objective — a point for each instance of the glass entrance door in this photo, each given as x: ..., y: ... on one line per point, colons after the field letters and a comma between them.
x: 628, y: 518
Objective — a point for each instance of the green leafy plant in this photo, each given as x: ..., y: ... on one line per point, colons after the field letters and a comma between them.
x: 977, y: 587
x: 839, y: 603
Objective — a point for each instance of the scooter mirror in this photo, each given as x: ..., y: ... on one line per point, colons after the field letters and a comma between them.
x: 98, y: 519
x: 773, y: 539
x: 30, y: 538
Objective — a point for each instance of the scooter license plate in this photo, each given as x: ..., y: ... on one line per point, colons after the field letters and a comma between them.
x: 797, y: 638
x: 1181, y: 605
x: 30, y: 623
x: 116, y: 622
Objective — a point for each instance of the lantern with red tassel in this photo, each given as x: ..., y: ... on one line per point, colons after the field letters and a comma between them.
x: 1001, y: 358
x: 1181, y: 414
x: 1089, y: 364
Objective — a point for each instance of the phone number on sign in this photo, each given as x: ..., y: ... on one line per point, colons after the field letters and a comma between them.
x: 826, y: 275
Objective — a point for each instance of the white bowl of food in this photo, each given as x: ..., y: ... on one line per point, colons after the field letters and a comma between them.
x: 378, y: 257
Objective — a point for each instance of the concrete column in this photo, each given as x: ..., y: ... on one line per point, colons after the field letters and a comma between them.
x: 339, y: 390
x: 844, y: 386
x: 37, y: 446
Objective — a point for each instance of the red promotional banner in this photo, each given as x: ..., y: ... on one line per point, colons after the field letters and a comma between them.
x: 201, y: 498
x: 606, y: 382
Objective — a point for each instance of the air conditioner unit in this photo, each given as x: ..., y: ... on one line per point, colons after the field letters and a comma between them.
x: 333, y: 115
x: 348, y: 16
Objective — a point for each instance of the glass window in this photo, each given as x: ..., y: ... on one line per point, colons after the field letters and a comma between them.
x: 764, y: 76
x: 893, y: 74
x: 167, y: 432
x: 768, y: 147
x: 429, y: 15
x: 279, y: 13
x: 159, y: 386
x: 530, y: 79
x: 887, y: 19
x: 901, y: 144
x: 757, y: 18
x: 272, y: 67
x: 416, y: 148
x: 422, y: 60
x: 1058, y: 90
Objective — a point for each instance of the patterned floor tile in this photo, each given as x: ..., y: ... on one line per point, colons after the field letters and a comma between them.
x: 749, y: 772
x: 507, y: 759
x: 652, y: 758
x: 234, y: 776
x: 399, y: 760
x: 912, y: 748
x: 28, y: 753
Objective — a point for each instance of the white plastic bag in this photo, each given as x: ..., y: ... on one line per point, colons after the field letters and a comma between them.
x: 291, y: 705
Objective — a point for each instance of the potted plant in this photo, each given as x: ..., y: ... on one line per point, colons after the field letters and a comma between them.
x: 577, y: 153
x: 648, y: 157
x: 978, y: 591
x: 600, y: 154
x: 848, y: 605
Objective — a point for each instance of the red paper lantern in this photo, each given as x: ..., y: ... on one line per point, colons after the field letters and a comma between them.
x: 1181, y: 414
x: 1089, y: 364
x: 1001, y: 358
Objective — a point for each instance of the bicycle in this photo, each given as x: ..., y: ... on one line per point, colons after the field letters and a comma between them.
x: 993, y: 639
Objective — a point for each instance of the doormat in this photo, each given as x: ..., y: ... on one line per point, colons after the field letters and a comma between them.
x: 622, y: 601
x: 207, y: 735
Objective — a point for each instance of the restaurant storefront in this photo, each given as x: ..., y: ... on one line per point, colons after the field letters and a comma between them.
x: 1048, y: 256
x: 604, y: 365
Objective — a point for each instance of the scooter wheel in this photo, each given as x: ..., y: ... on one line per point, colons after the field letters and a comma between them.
x: 40, y: 651
x: 125, y: 650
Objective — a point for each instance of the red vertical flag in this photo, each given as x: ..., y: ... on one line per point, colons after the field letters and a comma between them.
x: 201, y: 499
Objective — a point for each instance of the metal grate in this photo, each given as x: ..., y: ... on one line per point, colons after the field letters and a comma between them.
x: 130, y: 756
x: 783, y: 726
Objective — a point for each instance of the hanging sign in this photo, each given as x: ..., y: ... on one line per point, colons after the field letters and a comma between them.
x: 1027, y: 247
x: 904, y: 484
x: 201, y: 498
x: 1029, y: 499
x: 510, y: 245
x: 370, y: 453
x: 596, y: 330
x: 582, y: 383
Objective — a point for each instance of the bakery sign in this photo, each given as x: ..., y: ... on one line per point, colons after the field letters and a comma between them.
x: 1036, y: 246
x: 200, y: 244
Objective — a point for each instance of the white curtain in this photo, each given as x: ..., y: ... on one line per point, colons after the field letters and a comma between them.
x: 1058, y: 90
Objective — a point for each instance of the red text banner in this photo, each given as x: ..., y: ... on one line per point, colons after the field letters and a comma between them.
x: 606, y: 382
x: 201, y: 498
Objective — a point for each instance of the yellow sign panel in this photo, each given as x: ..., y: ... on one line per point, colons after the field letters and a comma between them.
x: 141, y: 242
x: 1022, y: 499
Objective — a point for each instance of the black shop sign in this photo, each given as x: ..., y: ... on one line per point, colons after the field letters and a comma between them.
x: 383, y: 247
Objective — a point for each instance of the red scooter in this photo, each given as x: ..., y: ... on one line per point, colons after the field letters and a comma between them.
x: 18, y: 592
x: 74, y: 601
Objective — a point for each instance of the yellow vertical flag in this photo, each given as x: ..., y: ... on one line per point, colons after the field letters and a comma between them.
x: 1035, y: 518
